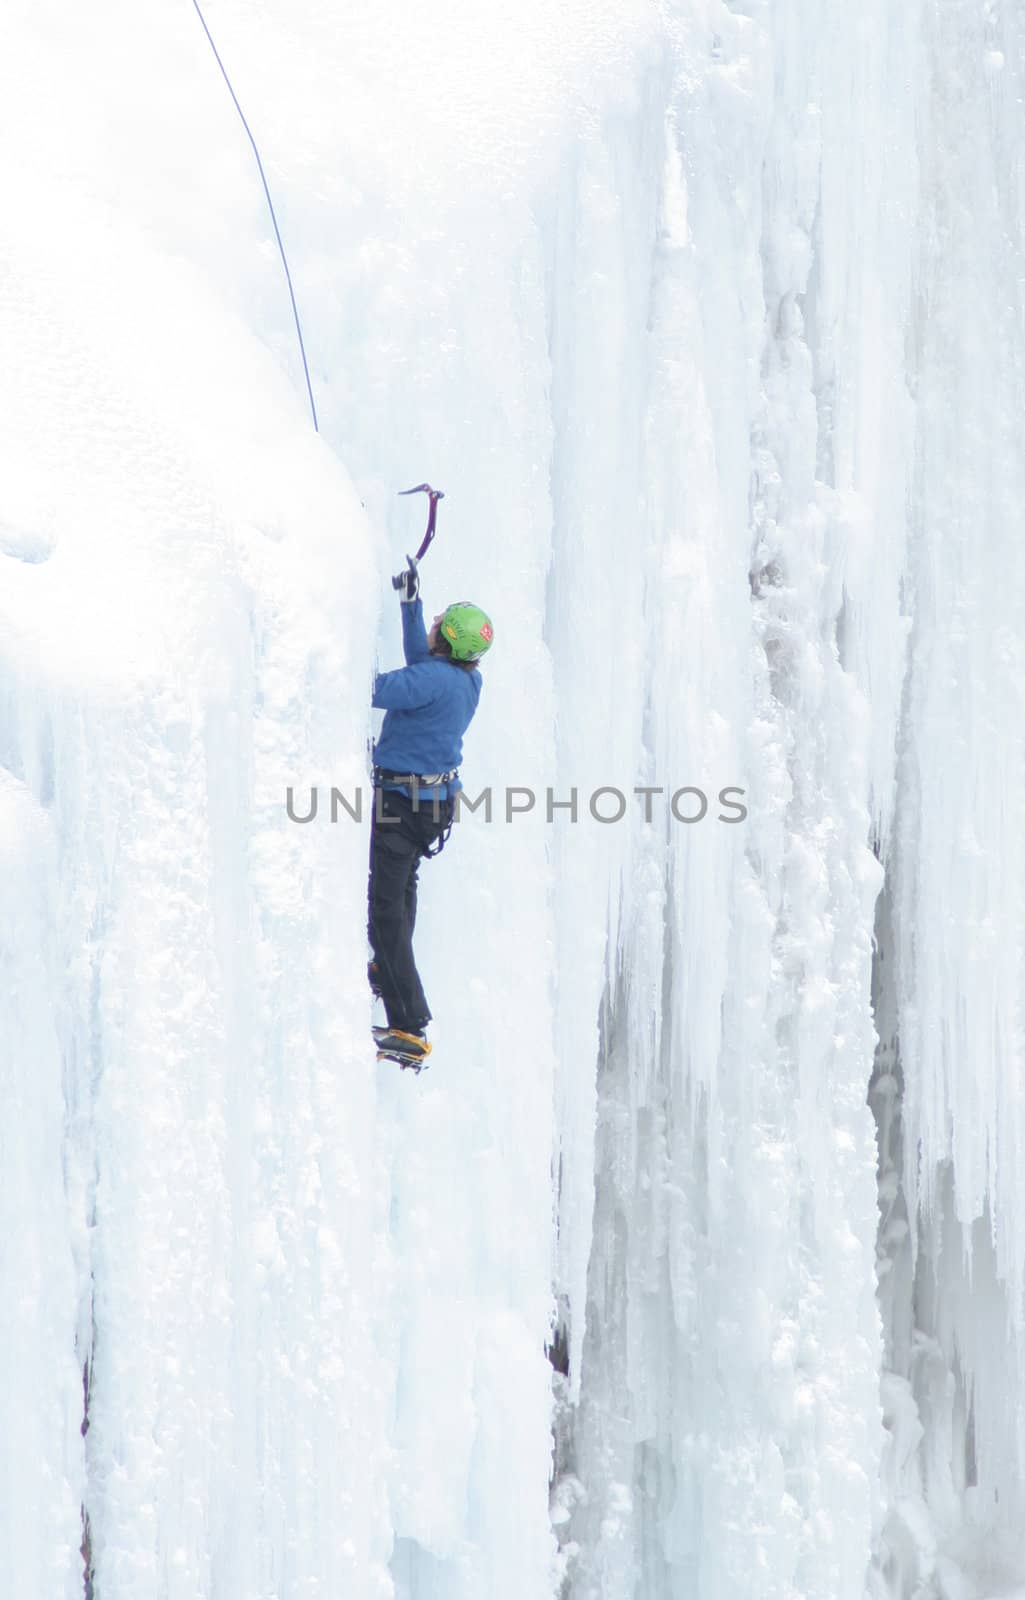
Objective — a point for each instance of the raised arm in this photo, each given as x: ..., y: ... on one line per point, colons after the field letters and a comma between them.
x: 414, y: 633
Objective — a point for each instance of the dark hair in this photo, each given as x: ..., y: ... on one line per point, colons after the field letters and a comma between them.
x: 444, y: 650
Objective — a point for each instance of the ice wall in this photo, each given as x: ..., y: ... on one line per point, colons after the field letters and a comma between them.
x: 887, y: 610
x: 189, y: 1198
x: 299, y: 1309
x: 729, y: 1426
x: 708, y: 318
x: 952, y: 958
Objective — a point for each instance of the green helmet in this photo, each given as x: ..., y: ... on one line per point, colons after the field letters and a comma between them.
x: 468, y: 630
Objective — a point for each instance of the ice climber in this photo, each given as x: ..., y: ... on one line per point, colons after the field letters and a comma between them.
x: 429, y: 704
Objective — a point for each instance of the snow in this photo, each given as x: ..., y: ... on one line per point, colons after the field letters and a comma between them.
x: 708, y: 319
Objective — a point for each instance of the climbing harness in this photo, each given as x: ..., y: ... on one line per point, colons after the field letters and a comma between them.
x: 419, y: 782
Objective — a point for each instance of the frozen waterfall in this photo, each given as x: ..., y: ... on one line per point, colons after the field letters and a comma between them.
x: 694, y: 1267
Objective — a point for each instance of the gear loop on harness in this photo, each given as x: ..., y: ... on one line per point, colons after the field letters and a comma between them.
x: 437, y: 846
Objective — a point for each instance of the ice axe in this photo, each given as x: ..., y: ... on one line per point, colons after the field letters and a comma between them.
x: 433, y: 495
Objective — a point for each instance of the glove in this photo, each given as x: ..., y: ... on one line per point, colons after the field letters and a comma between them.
x: 408, y: 582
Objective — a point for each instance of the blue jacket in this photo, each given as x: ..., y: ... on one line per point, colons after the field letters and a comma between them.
x: 429, y: 705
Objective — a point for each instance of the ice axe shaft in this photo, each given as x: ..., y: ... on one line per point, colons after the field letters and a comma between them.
x: 433, y: 495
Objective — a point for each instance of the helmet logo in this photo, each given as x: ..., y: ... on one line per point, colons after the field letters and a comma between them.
x: 486, y: 631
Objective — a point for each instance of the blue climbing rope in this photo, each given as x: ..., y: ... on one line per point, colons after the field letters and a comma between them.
x: 270, y: 207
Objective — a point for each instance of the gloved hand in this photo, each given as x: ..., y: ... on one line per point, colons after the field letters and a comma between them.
x: 408, y: 582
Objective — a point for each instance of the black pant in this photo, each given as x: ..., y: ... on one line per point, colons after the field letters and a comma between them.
x: 399, y: 836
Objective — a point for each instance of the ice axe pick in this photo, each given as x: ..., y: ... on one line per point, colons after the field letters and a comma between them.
x: 433, y: 496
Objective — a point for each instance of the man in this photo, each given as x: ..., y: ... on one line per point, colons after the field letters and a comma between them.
x: 429, y: 704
